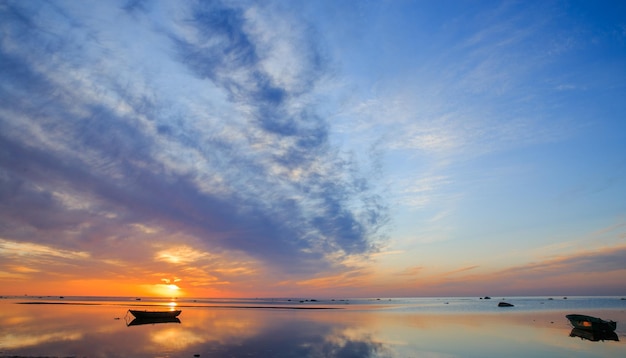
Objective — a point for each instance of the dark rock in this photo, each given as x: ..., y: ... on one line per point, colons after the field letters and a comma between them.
x: 505, y: 304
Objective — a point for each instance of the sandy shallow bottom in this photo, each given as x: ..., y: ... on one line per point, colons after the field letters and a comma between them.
x: 382, y: 330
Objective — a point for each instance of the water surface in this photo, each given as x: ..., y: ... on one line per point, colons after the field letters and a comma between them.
x: 414, y: 327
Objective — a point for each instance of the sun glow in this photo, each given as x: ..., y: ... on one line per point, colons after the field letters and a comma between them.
x: 166, y: 290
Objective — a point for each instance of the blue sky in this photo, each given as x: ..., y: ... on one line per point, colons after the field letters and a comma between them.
x: 281, y: 148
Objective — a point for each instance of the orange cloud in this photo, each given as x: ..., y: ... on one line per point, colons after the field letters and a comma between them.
x: 599, y: 272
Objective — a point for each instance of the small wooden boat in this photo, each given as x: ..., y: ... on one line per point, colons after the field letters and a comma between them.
x: 154, y: 314
x: 590, y: 323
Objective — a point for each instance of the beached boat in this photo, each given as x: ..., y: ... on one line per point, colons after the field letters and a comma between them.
x: 590, y: 323
x: 154, y: 314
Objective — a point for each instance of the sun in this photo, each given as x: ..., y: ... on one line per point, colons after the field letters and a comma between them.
x: 165, y: 290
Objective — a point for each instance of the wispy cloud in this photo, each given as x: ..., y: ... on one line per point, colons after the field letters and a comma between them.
x: 475, y: 93
x: 604, y: 260
x: 601, y: 270
x: 484, y: 90
x: 27, y: 250
x: 195, y: 118
x: 227, y: 143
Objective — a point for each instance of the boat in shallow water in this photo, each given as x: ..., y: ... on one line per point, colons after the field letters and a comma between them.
x: 590, y: 323
x: 154, y: 314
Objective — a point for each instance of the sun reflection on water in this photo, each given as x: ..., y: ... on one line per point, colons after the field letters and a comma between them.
x: 87, y: 329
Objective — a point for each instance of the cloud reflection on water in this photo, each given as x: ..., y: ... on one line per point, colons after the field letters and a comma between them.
x: 92, y: 330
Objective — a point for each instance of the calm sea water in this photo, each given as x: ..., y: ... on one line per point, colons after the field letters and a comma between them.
x: 308, y: 327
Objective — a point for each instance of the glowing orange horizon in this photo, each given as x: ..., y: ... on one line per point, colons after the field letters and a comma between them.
x: 551, y: 276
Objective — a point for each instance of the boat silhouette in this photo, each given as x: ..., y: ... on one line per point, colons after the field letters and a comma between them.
x: 152, y: 317
x: 590, y: 323
x: 154, y: 314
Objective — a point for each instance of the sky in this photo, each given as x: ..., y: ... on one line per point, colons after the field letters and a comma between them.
x: 312, y: 148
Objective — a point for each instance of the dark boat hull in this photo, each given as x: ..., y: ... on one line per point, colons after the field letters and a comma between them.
x: 154, y: 314
x: 589, y: 323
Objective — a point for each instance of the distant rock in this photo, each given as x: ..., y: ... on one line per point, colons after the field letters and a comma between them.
x: 487, y: 297
x: 505, y: 304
